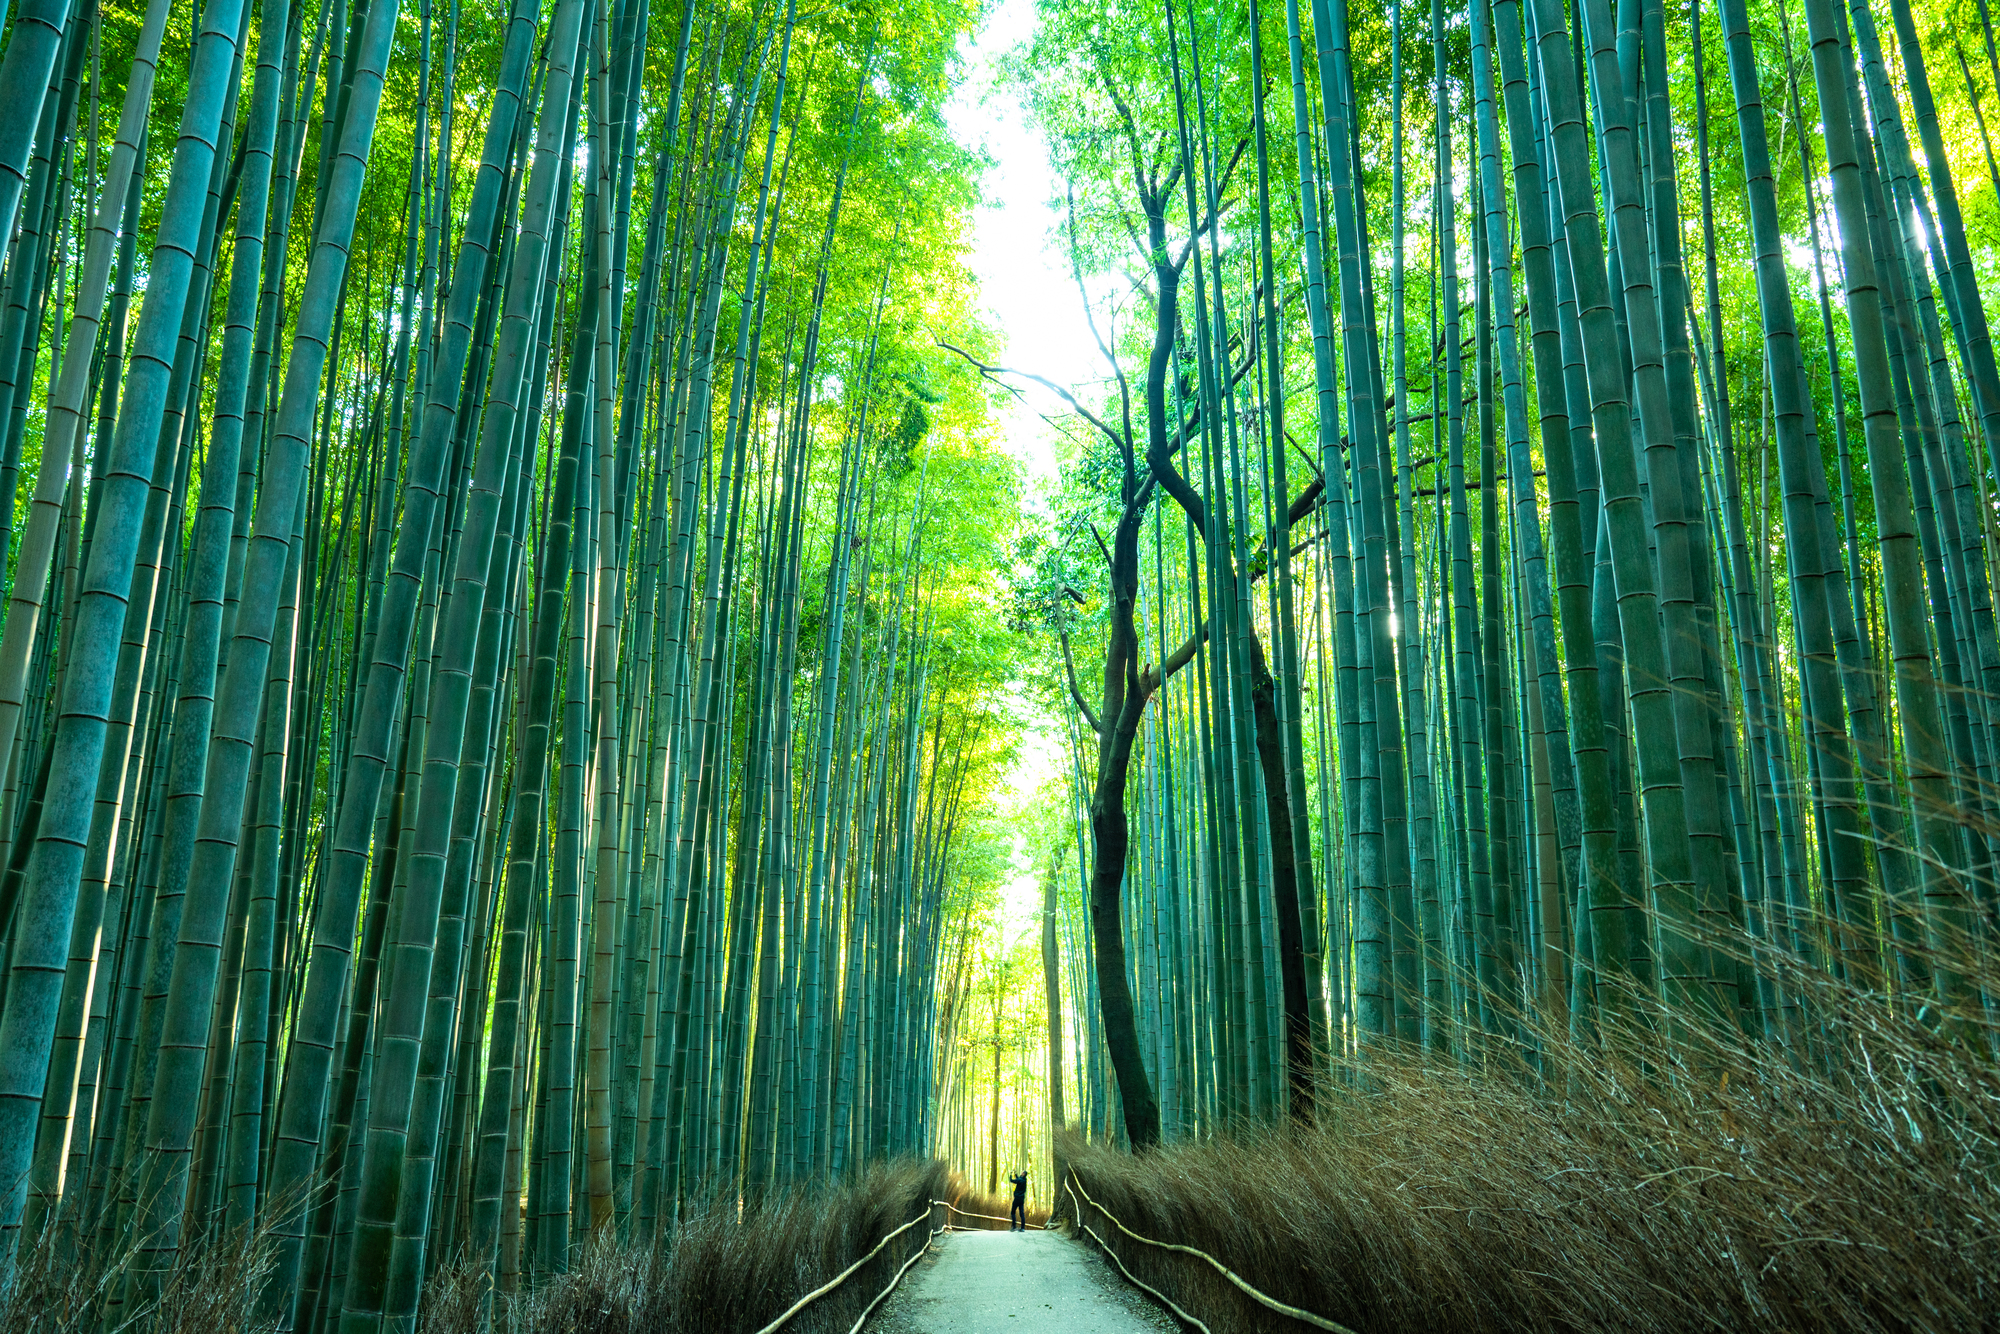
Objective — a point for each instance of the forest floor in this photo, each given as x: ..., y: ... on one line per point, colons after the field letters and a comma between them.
x: 989, y: 1282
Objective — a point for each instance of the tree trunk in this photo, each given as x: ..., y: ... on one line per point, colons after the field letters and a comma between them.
x: 1052, y: 979
x: 993, y: 1136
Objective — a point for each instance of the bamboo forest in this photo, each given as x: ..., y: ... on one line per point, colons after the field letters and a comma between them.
x: 653, y: 648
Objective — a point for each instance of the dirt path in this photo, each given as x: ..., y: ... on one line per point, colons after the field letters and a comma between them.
x: 992, y: 1282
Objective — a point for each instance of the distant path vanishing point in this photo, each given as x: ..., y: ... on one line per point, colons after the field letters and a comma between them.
x: 992, y: 1282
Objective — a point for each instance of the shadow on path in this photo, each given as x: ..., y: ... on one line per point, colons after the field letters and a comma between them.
x: 991, y: 1282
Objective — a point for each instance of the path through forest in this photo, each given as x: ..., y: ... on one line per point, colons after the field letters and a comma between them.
x: 982, y: 1282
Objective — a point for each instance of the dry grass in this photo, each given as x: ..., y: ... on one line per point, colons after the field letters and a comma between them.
x: 1605, y: 1187
x: 718, y: 1274
x: 67, y: 1284
x: 721, y: 1274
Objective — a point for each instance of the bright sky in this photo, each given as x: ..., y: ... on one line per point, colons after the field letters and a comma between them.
x: 1017, y: 253
x: 1031, y: 299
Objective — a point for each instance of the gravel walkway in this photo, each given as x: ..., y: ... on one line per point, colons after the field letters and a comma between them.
x: 991, y: 1282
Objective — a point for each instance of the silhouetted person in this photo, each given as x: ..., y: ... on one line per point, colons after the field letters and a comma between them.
x: 1017, y: 1217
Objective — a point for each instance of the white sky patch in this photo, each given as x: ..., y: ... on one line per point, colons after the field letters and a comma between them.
x: 1018, y: 254
x: 1030, y: 298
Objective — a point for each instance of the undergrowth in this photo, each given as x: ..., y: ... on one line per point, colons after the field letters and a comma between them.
x: 724, y: 1271
x: 1552, y: 1183
x: 73, y: 1278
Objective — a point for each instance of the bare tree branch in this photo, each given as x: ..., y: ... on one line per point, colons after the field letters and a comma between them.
x: 1076, y: 693
x: 1131, y: 127
x: 995, y: 372
x: 1214, y: 215
x: 1151, y: 679
x: 1124, y: 390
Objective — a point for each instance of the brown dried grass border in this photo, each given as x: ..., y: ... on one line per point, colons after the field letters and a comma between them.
x: 1603, y: 1184
x: 725, y: 1270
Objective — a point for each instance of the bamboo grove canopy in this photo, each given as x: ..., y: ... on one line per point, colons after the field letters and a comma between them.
x: 492, y: 540
x: 1525, y: 565
x: 518, y: 616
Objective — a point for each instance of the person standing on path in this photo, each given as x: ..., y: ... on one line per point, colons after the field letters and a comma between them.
x: 1017, y: 1217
